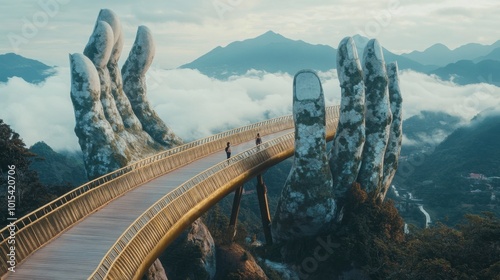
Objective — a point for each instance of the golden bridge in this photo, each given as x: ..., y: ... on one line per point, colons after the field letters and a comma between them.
x: 114, y: 227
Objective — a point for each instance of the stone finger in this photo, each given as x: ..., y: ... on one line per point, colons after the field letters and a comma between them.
x: 134, y: 86
x: 377, y: 119
x: 345, y: 157
x: 306, y: 204
x: 98, y: 50
x: 393, y: 150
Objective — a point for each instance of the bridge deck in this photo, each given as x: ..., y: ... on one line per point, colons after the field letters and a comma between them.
x: 76, y: 253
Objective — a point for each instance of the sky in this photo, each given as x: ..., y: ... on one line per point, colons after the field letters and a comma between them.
x: 47, y: 30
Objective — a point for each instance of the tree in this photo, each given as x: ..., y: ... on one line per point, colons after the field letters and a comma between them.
x: 13, y: 151
x: 29, y: 192
x: 472, y: 251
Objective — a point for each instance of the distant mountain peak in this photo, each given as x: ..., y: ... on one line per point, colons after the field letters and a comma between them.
x: 270, y: 52
x: 270, y: 33
x: 438, y: 47
x: 11, y: 55
x: 32, y: 71
x: 271, y: 37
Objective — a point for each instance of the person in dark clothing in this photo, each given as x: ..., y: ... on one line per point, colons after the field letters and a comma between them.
x: 228, y: 150
x: 258, y: 140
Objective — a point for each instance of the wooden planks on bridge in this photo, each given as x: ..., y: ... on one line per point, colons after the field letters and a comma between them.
x: 76, y: 253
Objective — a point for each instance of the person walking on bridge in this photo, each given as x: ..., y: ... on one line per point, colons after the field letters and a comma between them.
x: 228, y: 150
x: 258, y: 140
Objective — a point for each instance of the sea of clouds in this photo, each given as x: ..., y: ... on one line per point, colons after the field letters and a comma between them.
x: 194, y: 105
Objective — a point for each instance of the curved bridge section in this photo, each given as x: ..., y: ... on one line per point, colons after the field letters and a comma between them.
x: 145, y: 238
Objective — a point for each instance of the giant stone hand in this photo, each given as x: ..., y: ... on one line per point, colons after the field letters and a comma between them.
x: 365, y: 150
x: 115, y: 123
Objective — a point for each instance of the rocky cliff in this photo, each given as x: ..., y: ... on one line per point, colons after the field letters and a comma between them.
x: 192, y: 255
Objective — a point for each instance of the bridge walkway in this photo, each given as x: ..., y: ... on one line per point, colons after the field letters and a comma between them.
x: 76, y: 253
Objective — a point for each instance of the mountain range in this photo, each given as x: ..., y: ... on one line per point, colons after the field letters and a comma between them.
x: 470, y: 148
x: 462, y: 175
x: 441, y: 55
x: 270, y: 52
x: 464, y: 72
x: 274, y: 53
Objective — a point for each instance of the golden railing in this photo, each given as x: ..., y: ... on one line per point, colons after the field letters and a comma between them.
x: 45, y: 223
x: 145, y: 239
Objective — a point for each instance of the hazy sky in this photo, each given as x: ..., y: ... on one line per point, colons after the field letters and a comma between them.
x: 48, y: 30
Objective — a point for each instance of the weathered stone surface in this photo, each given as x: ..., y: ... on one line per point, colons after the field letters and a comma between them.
x: 98, y: 50
x: 234, y: 262
x: 345, y: 157
x: 200, y: 237
x: 134, y: 85
x: 105, y: 105
x: 377, y: 119
x: 193, y: 252
x: 393, y: 150
x: 155, y: 272
x: 130, y: 121
x: 103, y: 152
x: 364, y: 140
x: 112, y: 19
x: 285, y: 271
x: 100, y: 44
x: 307, y: 202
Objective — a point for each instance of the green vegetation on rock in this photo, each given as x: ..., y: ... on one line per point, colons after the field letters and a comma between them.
x: 56, y: 168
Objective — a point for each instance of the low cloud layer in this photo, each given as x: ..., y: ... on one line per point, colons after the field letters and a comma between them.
x: 196, y: 106
x: 40, y: 112
x: 423, y: 92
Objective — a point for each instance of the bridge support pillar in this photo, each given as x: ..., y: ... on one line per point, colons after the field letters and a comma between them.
x: 234, y: 213
x: 264, y: 209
